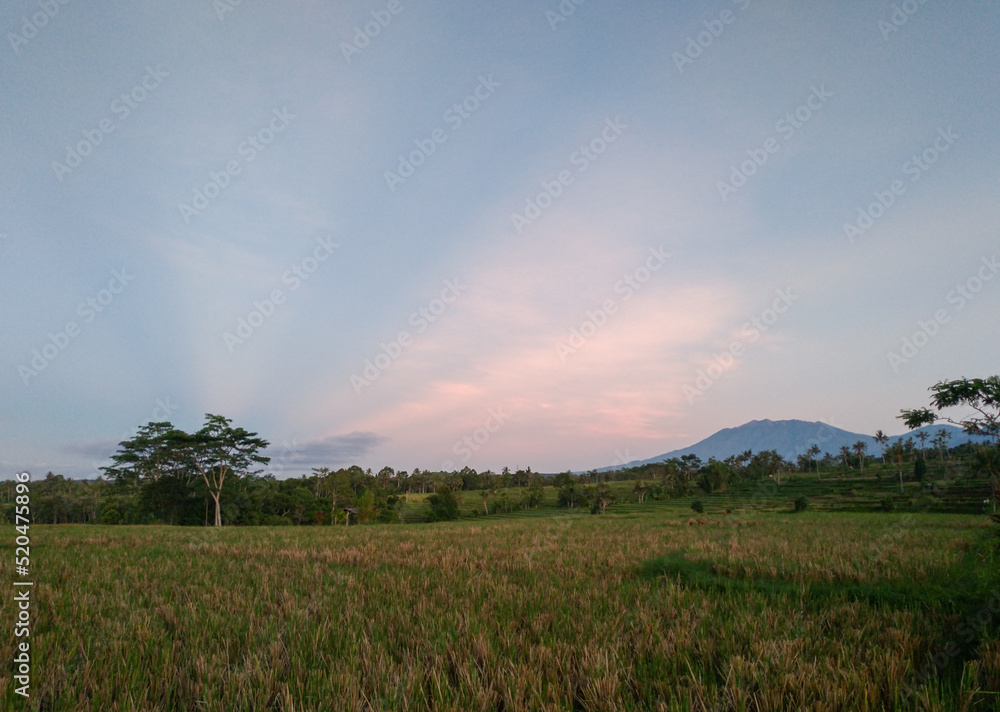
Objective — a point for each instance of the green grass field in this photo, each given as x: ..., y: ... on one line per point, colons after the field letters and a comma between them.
x: 649, y: 607
x: 946, y: 489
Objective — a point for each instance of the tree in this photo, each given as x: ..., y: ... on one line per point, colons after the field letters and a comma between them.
x: 570, y: 495
x: 981, y: 395
x: 563, y: 479
x: 922, y: 436
x: 444, y: 504
x: 941, y: 442
x: 337, y: 487
x: 845, y: 456
x: 172, y: 500
x: 151, y: 453
x: 601, y: 496
x: 470, y: 478
x: 811, y: 453
x: 767, y: 463
x: 536, y: 490
x: 641, y: 490
x: 860, y: 449
x: 219, y: 450
x: 521, y: 478
x: 691, y: 464
x: 418, y: 479
x: 384, y: 477
x: 366, y: 507
x: 714, y: 476
x: 484, y: 493
x: 897, y: 451
x: 156, y: 467
x: 110, y: 513
x: 493, y: 484
x: 881, y: 438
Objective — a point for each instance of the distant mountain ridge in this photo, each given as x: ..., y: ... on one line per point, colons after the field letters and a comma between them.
x: 790, y: 438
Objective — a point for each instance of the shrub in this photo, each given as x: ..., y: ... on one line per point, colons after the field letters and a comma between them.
x: 919, y: 469
x: 698, y: 506
x: 444, y: 505
x: 110, y: 513
x: 888, y: 504
x: 801, y: 504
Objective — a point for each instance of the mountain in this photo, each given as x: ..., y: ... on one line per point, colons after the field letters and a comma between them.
x: 790, y: 438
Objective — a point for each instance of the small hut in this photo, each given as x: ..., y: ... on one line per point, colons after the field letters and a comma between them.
x: 351, y: 514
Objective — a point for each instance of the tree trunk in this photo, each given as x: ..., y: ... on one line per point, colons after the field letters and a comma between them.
x: 218, y: 511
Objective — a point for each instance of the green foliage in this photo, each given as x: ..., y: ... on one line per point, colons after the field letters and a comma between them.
x: 919, y: 469
x: 179, y: 496
x: 979, y: 394
x: 764, y: 464
x: 801, y: 504
x: 444, y: 505
x: 536, y: 487
x: 159, y: 451
x: 110, y: 513
x: 563, y: 479
x: 986, y: 461
x: 366, y: 507
x: 698, y: 506
x: 174, y: 499
x: 601, y: 497
x: 571, y: 495
x: 153, y: 452
x: 714, y: 477
x: 888, y: 504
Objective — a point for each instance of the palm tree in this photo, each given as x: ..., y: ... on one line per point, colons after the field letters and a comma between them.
x: 898, y: 452
x: 941, y: 441
x: 881, y: 438
x: 860, y: 449
x: 811, y: 453
x: 845, y: 454
x: 922, y: 436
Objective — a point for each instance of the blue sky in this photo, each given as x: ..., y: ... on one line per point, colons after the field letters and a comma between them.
x: 446, y: 234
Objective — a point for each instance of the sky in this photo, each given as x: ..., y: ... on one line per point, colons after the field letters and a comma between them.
x: 561, y: 235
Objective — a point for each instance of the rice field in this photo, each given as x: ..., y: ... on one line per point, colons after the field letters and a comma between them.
x: 647, y: 610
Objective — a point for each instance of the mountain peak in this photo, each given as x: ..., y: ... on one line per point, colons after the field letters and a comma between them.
x: 790, y: 438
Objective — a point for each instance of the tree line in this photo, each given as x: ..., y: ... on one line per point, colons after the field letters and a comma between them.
x: 216, y: 474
